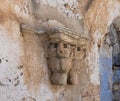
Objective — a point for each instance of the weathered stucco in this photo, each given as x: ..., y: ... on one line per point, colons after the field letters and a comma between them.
x: 24, y: 68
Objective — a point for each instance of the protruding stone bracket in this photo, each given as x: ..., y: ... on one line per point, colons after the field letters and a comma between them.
x: 64, y: 50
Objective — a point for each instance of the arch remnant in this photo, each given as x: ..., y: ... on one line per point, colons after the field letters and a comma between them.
x: 110, y: 63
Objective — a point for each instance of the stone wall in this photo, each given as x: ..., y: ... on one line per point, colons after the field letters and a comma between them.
x: 24, y: 68
x: 116, y: 61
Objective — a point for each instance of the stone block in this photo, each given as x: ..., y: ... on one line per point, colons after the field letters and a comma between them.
x: 53, y: 64
x: 88, y: 98
x: 59, y: 78
x: 73, y: 78
x: 65, y: 64
x: 63, y: 56
x: 62, y: 65
x: 96, y: 90
x: 84, y: 93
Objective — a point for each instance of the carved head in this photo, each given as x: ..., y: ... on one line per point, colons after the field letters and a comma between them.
x: 63, y: 57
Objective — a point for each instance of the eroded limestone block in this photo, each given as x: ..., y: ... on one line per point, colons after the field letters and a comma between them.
x: 73, y: 78
x: 53, y: 64
x: 66, y: 64
x: 59, y: 63
x: 87, y: 98
x: 64, y: 53
x: 62, y: 65
x: 59, y: 78
x: 62, y: 61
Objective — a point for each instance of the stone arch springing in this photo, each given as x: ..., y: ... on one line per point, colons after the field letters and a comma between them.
x: 115, y: 42
x: 110, y: 63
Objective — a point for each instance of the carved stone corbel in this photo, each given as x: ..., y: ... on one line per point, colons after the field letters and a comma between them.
x: 64, y: 49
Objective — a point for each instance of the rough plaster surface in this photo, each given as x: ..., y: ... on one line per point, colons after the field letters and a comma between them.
x: 23, y: 67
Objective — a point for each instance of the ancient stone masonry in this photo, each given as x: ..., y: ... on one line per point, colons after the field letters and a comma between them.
x: 116, y: 68
x: 112, y: 39
x: 60, y: 50
x: 64, y: 51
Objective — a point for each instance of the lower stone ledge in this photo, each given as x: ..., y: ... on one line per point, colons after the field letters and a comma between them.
x: 91, y: 98
x: 59, y: 78
x: 91, y: 92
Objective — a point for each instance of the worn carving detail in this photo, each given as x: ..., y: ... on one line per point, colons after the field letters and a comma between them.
x: 64, y: 51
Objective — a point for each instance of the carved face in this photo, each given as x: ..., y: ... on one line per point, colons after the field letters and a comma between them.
x: 63, y: 50
x: 63, y: 61
x: 60, y: 50
x: 59, y: 57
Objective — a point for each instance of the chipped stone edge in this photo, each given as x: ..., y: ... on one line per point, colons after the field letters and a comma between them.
x: 59, y: 35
